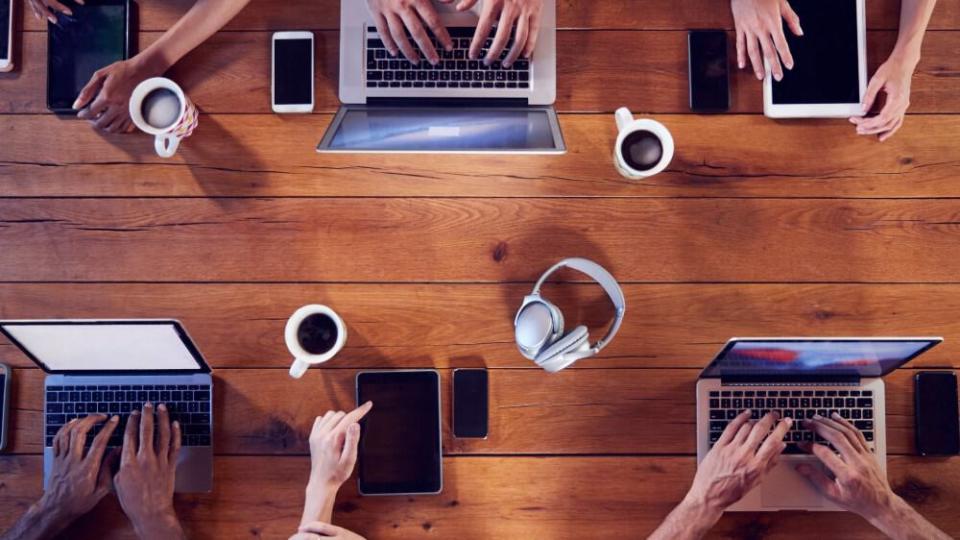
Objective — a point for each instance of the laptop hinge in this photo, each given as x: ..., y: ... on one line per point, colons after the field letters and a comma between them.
x: 447, y: 102
x: 832, y: 379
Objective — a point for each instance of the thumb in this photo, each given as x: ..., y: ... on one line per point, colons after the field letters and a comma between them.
x: 319, y: 527
x: 348, y: 457
x: 793, y: 20
x: 105, y: 477
x: 816, y: 476
x: 466, y: 4
x: 873, y: 89
x: 89, y: 91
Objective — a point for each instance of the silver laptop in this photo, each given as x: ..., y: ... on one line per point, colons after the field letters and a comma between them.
x: 458, y: 106
x: 113, y: 367
x: 800, y: 377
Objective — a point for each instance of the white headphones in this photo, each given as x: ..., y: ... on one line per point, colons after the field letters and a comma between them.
x: 539, y: 323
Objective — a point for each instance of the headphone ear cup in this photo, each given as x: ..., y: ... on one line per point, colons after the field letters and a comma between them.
x: 554, y: 358
x: 538, y: 324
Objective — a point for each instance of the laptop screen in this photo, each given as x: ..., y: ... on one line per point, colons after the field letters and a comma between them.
x: 105, y: 346
x: 816, y: 357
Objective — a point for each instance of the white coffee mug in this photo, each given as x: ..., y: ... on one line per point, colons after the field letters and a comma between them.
x: 303, y: 359
x: 183, y: 116
x: 626, y: 124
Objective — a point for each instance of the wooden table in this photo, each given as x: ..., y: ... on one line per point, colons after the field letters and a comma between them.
x: 758, y: 228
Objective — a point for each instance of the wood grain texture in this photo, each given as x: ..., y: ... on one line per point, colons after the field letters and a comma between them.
x: 471, y: 240
x: 231, y: 73
x: 580, y: 411
x: 272, y: 155
x: 515, y: 497
x: 618, y: 14
x: 408, y: 325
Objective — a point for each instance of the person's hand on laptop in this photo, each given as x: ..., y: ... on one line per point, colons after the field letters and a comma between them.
x: 333, y: 454
x: 760, y: 34
x: 393, y: 18
x: 856, y: 481
x: 319, y: 530
x: 145, y: 482
x: 524, y: 15
x: 738, y: 461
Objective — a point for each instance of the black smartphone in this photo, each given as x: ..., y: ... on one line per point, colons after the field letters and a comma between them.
x: 937, y: 415
x: 470, y: 403
x: 709, y: 71
x: 5, y: 374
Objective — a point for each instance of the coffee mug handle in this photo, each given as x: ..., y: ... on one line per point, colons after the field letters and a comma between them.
x: 166, y: 144
x: 298, y: 368
x: 624, y: 118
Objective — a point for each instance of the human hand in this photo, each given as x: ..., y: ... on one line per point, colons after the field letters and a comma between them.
x: 524, y: 14
x: 148, y: 467
x: 894, y: 78
x: 858, y: 483
x: 391, y: 17
x: 319, y: 530
x: 105, y: 100
x: 760, y: 34
x: 745, y: 452
x: 48, y: 9
x: 78, y: 481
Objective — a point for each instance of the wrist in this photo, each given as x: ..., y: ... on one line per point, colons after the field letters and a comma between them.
x: 906, y: 55
x: 887, y: 513
x: 699, y: 512
x: 159, y: 524
x: 52, y: 511
x: 150, y: 63
x: 318, y: 501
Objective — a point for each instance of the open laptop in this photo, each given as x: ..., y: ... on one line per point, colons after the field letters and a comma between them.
x: 800, y: 377
x: 459, y: 106
x: 113, y: 367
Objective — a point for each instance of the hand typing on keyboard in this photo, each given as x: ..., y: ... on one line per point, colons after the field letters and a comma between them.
x: 518, y: 24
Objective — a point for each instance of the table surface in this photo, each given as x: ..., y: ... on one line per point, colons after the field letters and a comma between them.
x: 757, y: 228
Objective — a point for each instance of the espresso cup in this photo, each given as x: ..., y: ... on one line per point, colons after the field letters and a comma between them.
x: 644, y: 147
x: 314, y: 334
x: 159, y: 107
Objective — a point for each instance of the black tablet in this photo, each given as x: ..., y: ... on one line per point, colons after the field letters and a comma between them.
x: 95, y: 36
x: 400, y: 444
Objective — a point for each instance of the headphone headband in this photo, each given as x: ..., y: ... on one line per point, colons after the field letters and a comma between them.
x: 606, y: 280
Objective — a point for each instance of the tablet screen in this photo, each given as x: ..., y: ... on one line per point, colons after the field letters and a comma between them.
x: 826, y: 68
x: 400, y: 438
x: 93, y: 38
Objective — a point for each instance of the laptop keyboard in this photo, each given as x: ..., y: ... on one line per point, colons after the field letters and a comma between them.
x: 455, y: 69
x: 853, y: 405
x: 187, y: 404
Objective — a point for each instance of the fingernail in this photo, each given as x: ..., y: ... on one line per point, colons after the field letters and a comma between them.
x: 789, y: 421
x: 135, y: 412
x: 800, y: 30
x: 162, y: 406
x: 147, y: 404
x: 778, y: 77
x: 817, y: 417
x: 114, y: 419
x: 741, y: 64
x: 176, y: 423
x: 759, y: 76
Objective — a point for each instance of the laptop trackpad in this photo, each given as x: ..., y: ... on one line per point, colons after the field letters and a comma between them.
x: 785, y: 488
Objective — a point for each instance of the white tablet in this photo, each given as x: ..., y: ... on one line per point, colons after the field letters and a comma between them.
x: 829, y: 75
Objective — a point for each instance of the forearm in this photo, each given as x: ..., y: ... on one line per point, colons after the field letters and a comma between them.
x: 318, y: 503
x: 901, y: 522
x: 203, y: 20
x: 690, y: 520
x: 41, y: 521
x: 914, y: 18
x: 163, y: 526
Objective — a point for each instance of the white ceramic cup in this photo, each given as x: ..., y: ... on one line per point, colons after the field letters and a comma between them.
x: 303, y: 359
x: 627, y: 124
x: 166, y: 139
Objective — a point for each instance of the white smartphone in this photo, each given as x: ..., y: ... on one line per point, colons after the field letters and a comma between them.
x: 291, y: 87
x: 6, y: 35
x: 5, y: 375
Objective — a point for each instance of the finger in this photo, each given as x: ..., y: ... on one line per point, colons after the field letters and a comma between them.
x: 773, y: 446
x: 888, y: 134
x: 793, y: 20
x: 466, y: 4
x: 94, y: 111
x: 828, y: 458
x: 482, y: 32
x: 783, y: 48
x: 324, y: 421
x: 383, y: 29
x: 770, y: 54
x: 334, y: 421
x: 399, y: 34
x: 420, y: 36
x: 753, y: 50
x: 761, y: 429
x: 57, y: 6
x: 508, y: 18
x: 106, y: 119
x: 146, y: 429
x: 176, y: 439
x: 36, y: 11
x: 163, y: 431
x: 319, y: 527
x: 118, y: 122
x: 823, y: 427
x: 877, y: 124
x: 741, y: 49
x: 819, y: 479
x: 78, y: 435
x: 873, y: 90
x: 742, y: 433
x: 62, y: 439
x: 433, y: 22
x: 534, y: 23
x: 355, y: 415
x: 348, y: 457
x: 99, y: 446
x: 519, y: 42
x: 89, y: 91
x: 853, y: 434
x: 130, y: 438
x: 732, y: 428
x: 105, y: 476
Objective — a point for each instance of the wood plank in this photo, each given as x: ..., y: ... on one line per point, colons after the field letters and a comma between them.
x: 619, y: 14
x: 679, y: 326
x: 583, y: 411
x: 270, y: 155
x: 473, y: 240
x: 571, y: 498
x: 231, y: 73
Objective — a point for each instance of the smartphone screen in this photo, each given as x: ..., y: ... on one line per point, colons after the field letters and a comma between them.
x: 470, y: 407
x: 937, y: 417
x: 709, y: 84
x: 6, y: 22
x: 293, y: 71
x: 3, y: 404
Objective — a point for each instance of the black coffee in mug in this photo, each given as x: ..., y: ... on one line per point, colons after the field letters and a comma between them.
x: 317, y: 333
x: 641, y: 150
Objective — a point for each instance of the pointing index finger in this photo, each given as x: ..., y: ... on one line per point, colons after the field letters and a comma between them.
x: 355, y: 415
